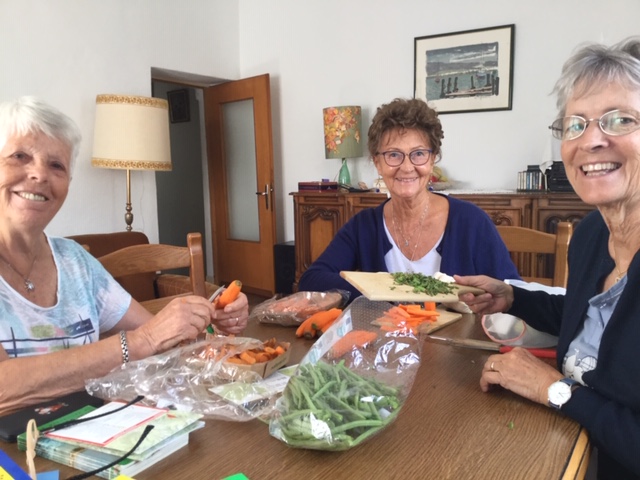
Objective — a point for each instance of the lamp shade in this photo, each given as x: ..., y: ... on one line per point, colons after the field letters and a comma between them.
x: 131, y: 133
x: 342, y: 127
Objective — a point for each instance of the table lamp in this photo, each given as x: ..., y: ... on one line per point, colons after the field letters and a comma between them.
x: 131, y: 133
x: 342, y: 136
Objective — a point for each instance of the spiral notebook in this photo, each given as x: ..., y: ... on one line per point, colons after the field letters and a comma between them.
x: 15, y: 423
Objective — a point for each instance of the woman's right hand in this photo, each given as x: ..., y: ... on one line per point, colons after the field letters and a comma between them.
x: 183, y: 319
x: 498, y: 296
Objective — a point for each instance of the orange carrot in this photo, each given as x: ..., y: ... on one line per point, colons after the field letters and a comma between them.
x: 321, y: 319
x: 430, y: 306
x: 352, y: 340
x: 229, y: 295
x: 306, y: 329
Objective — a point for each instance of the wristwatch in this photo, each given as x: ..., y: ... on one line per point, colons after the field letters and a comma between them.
x: 560, y: 392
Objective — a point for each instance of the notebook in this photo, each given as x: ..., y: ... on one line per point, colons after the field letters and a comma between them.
x: 15, y: 423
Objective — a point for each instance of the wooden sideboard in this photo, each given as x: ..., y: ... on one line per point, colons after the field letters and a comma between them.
x: 319, y: 215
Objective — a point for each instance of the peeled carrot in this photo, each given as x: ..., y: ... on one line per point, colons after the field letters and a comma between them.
x: 229, y: 295
x: 352, y: 340
x: 430, y: 306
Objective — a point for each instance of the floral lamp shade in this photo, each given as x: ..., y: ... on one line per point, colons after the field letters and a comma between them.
x: 342, y: 136
x: 342, y: 127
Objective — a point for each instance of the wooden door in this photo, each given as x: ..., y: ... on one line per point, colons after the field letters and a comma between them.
x: 241, y: 182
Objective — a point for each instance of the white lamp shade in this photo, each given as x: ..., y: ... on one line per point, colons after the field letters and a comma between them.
x: 131, y: 133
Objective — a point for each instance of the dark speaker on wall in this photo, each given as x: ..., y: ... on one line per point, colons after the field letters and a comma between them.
x: 285, y: 266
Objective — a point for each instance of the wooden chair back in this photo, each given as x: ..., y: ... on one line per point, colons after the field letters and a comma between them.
x: 145, y: 258
x: 541, y: 244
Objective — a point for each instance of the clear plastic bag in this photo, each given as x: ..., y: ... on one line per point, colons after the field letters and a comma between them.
x: 198, y: 377
x: 294, y: 309
x: 350, y: 385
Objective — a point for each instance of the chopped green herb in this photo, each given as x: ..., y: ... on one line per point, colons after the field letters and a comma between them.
x: 422, y: 283
x: 510, y: 425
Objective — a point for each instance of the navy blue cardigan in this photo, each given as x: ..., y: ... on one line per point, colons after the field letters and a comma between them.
x: 471, y: 245
x: 610, y: 408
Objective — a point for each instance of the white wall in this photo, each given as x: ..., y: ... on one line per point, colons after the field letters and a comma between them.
x: 68, y: 51
x: 337, y: 52
x: 319, y: 53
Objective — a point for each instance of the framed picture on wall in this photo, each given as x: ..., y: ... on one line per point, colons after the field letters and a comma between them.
x: 178, y: 105
x: 468, y: 71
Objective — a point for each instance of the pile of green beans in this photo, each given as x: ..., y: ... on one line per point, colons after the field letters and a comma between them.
x: 329, y: 407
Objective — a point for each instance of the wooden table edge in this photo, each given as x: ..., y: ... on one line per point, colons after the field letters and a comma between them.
x: 578, y: 462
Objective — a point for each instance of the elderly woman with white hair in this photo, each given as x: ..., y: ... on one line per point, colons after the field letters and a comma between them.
x: 597, y: 379
x: 63, y: 318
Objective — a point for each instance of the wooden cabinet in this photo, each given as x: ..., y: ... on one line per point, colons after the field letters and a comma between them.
x: 319, y: 215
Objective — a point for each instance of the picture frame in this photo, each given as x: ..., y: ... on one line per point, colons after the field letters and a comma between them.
x: 467, y: 71
x: 178, y: 105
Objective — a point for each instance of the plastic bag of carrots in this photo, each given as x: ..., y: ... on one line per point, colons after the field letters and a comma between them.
x: 293, y: 309
x: 192, y: 377
x: 351, y: 384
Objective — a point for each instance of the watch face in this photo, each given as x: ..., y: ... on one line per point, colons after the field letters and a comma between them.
x: 559, y: 394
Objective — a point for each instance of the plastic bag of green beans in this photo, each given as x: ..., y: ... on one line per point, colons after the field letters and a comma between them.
x: 351, y: 384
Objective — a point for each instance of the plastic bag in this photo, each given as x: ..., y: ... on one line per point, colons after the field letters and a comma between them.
x: 198, y: 377
x: 342, y: 394
x: 294, y: 309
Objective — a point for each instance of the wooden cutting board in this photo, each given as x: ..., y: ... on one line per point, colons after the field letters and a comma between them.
x: 379, y: 286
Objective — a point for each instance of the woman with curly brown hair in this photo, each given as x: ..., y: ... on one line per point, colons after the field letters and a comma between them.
x: 415, y: 230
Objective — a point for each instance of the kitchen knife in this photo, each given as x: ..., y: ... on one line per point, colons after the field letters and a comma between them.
x: 486, y: 345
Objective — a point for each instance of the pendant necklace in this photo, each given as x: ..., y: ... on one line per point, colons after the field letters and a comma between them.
x: 615, y: 264
x: 28, y: 284
x: 399, y: 231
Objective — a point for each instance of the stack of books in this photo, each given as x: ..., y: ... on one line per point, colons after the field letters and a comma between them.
x: 93, y: 444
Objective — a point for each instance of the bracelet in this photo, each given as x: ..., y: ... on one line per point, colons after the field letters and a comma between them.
x: 124, y: 346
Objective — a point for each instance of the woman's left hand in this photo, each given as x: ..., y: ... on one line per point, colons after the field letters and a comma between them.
x: 520, y: 372
x: 233, y: 318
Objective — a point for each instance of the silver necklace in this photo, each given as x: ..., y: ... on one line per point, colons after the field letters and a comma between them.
x: 615, y: 264
x: 28, y: 284
x: 406, y: 240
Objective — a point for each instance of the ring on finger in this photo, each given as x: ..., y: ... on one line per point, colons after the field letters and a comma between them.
x: 491, y: 367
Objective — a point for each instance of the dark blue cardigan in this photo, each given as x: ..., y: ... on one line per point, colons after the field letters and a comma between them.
x: 610, y: 408
x: 471, y: 245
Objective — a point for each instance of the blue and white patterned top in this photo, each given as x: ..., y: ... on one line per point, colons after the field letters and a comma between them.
x: 90, y: 301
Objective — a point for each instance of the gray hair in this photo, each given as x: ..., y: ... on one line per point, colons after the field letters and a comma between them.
x: 30, y: 115
x: 594, y: 65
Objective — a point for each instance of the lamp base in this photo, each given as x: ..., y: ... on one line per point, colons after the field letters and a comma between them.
x: 344, y: 178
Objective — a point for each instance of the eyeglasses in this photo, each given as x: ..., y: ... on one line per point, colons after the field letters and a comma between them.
x: 615, y: 123
x: 394, y: 158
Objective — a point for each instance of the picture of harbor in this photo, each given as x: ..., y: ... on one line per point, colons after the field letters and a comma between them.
x: 465, y: 71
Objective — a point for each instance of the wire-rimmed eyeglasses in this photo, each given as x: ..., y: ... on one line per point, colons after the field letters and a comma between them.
x: 395, y: 158
x: 615, y: 123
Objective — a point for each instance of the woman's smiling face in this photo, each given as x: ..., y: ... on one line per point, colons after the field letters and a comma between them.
x: 604, y: 169
x: 407, y: 180
x: 34, y: 179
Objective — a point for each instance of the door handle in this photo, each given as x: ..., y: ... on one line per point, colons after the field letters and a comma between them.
x: 266, y: 194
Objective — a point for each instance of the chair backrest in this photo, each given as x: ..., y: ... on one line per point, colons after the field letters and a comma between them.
x: 155, y: 257
x: 540, y: 244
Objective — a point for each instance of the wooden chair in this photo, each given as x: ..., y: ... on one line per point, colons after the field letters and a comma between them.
x: 537, y: 244
x: 145, y: 258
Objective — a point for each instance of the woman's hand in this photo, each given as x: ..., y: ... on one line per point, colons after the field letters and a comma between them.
x: 520, y: 372
x: 183, y: 319
x: 499, y: 296
x: 233, y: 318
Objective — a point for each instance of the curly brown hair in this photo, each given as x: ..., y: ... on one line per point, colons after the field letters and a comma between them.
x: 405, y: 114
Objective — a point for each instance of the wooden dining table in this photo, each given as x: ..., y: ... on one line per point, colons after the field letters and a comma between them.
x: 447, y: 429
